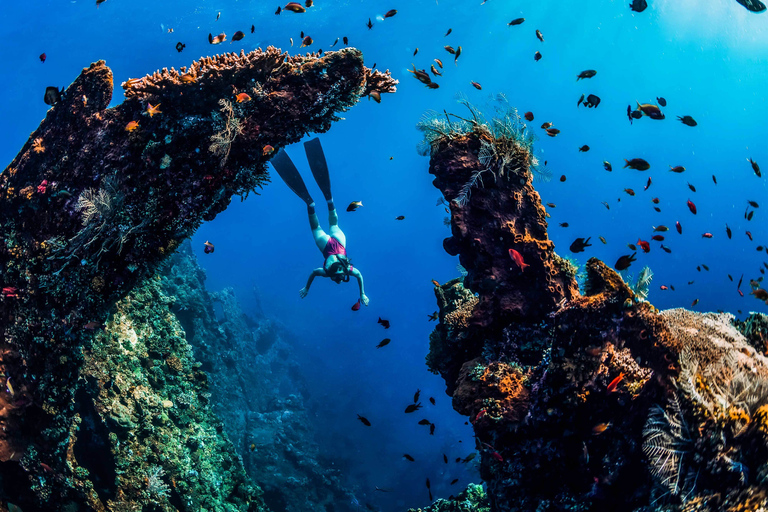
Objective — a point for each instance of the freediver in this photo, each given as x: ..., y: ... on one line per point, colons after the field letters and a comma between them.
x: 337, y: 265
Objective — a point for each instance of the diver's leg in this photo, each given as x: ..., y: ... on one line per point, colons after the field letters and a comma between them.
x: 319, y: 166
x: 320, y: 236
x: 290, y: 175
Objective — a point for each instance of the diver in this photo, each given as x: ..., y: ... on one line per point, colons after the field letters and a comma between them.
x: 337, y: 265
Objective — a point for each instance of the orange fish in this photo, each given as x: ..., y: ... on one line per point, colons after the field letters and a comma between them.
x: 294, y: 7
x: 131, y: 126
x: 267, y: 150
x: 599, y: 429
x: 477, y: 86
x: 615, y: 382
x: 518, y: 258
x: 306, y: 42
x: 435, y: 283
x: 218, y: 39
x: 243, y: 97
x: 188, y: 78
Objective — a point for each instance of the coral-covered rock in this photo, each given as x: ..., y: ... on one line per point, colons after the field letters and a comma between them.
x: 99, y: 196
x: 581, y: 402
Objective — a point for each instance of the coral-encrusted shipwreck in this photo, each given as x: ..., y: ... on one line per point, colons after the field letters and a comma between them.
x: 593, y: 401
x: 88, y: 209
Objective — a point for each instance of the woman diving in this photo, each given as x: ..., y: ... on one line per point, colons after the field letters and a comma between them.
x: 337, y: 265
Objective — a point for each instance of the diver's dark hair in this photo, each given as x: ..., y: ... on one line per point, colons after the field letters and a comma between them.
x: 343, y: 263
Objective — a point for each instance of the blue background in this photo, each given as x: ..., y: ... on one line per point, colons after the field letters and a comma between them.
x: 708, y: 59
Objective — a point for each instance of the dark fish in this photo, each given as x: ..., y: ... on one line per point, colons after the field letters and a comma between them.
x: 253, y: 29
x: 428, y: 486
x: 445, y: 458
x: 43, y: 57
x: 687, y: 120
x: 384, y: 323
x: 433, y: 317
x: 607, y: 166
x: 666, y: 249
x: 180, y: 46
x: 661, y: 101
x: 625, y: 261
x: 408, y: 457
x: 415, y: 51
x: 691, y: 207
x: 755, y: 167
x: 416, y: 395
x: 638, y: 5
x: 714, y: 179
x: 693, y: 189
x: 383, y: 343
x: 562, y: 178
x: 678, y: 169
x: 638, y: 164
x: 751, y: 5
x: 52, y: 95
x: 425, y: 422
x: 369, y: 24
x: 208, y: 247
x: 648, y: 184
x: 346, y: 41
x: 390, y: 13
x: 447, y: 33
x: 636, y: 114
x: 657, y: 209
x: 334, y: 43
x: 456, y: 57
x: 431, y: 429
x: 728, y: 231
x: 435, y: 71
x: 238, y: 35
x: 629, y: 191
x: 589, y: 73
x: 432, y: 400
x: 528, y: 116
x: 749, y: 216
x: 279, y: 9
x: 584, y: 148
x: 454, y: 481
x: 476, y: 85
x: 592, y: 101
x: 449, y: 49
x: 753, y: 204
x: 516, y: 21
x: 412, y: 408
x: 400, y: 217
x: 578, y: 102
x: 364, y: 420
x: 308, y: 3
x: 537, y: 56
x: 579, y: 244
x: 539, y: 35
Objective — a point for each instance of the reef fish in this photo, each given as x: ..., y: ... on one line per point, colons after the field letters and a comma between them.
x: 384, y: 323
x: 382, y: 343
x: 625, y: 261
x: 52, y: 95
x: 588, y: 73
x: 354, y: 205
x: 638, y: 164
x: 687, y: 120
x: 753, y: 5
x: 364, y: 420
x: 516, y: 21
x: 518, y: 259
x: 294, y: 7
x: 638, y: 5
x: 356, y: 305
x: 579, y: 244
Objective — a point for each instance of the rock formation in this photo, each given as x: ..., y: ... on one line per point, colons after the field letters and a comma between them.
x: 95, y: 200
x: 589, y: 400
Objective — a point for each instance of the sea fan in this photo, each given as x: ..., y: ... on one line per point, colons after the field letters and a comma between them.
x: 643, y: 284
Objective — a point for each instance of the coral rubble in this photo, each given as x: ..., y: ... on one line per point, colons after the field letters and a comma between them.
x: 96, y: 199
x: 593, y: 401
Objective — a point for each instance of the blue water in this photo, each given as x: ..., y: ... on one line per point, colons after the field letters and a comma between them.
x: 708, y: 61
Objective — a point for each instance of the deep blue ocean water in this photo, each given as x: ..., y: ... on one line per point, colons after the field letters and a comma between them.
x: 709, y: 59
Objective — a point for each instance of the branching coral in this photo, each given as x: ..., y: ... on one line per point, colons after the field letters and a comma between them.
x: 228, y: 128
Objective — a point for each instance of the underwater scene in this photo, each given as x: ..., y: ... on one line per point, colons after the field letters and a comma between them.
x: 345, y: 256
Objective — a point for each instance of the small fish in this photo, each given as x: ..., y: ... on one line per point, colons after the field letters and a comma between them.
x: 334, y: 43
x: 267, y: 150
x: 528, y: 116
x: 448, y: 32
x: 383, y: 343
x: 753, y: 204
x: 638, y: 5
x: 755, y: 167
x: 436, y: 283
x: 749, y: 235
x: 390, y: 13
x: 581, y: 98
x: 687, y: 120
x: 384, y: 323
x: 539, y: 35
x: 564, y: 224
x: 456, y: 57
x: 400, y: 217
x: 656, y: 208
x: 600, y: 428
x: 253, y: 446
x: 678, y: 169
x: 706, y: 235
x: 637, y: 164
x: 518, y: 259
x: 589, y: 73
x: 552, y: 205
x: 93, y: 325
x: 294, y: 7
x: 696, y: 301
x: 376, y: 95
x: 218, y: 39
x: 705, y: 267
x: 632, y: 247
x: 209, y: 248
x: 238, y: 35
x: 369, y: 24
x: 679, y: 227
x: 180, y: 46
x: 364, y: 420
x: 218, y: 15
x: 425, y: 422
x: 537, y: 56
x: 691, y: 207
x: 650, y: 110
x: 476, y: 85
x: 615, y: 382
x: 413, y: 408
x: 43, y: 57
x: 433, y: 317
x: 658, y: 238
x: 664, y: 287
x: 253, y: 28
x: 188, y: 78
x: 279, y: 9
x: 308, y: 3
x: 356, y: 305
x: 516, y: 21
x: 602, y: 239
x: 693, y: 189
x: 607, y: 206
x: 579, y: 244
x: 629, y: 191
x: 408, y: 457
x: 242, y: 98
x: 660, y: 229
x: 592, y: 101
x: 133, y: 125
x: 553, y: 132
x: 624, y: 262
x: 607, y: 166
x: 416, y: 395
x: 546, y: 125
x: 648, y: 184
x: 354, y: 205
x: 562, y: 178
x: 52, y: 95
x: 454, y: 481
x: 728, y: 231
x: 469, y: 458
x: 306, y: 41
x: 583, y: 149
x: 714, y: 179
x: 750, y: 214
x: 415, y: 51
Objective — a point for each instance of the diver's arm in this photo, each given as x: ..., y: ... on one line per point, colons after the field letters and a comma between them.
x: 363, y: 298
x: 317, y: 272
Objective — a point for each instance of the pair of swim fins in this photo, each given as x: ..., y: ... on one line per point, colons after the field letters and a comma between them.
x: 317, y: 164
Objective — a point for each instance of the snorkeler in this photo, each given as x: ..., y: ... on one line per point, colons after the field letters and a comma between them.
x: 337, y: 265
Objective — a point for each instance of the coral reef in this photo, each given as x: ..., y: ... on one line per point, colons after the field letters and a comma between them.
x: 472, y: 499
x: 98, y: 197
x: 592, y: 401
x: 260, y: 390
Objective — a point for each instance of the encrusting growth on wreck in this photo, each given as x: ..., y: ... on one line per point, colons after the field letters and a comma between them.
x: 96, y: 199
x: 593, y: 401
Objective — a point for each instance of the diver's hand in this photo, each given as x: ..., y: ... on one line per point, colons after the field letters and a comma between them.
x: 364, y: 299
x: 303, y: 292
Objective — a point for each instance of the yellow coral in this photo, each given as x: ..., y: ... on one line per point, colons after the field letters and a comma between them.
x: 37, y: 145
x: 459, y: 317
x: 174, y: 363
